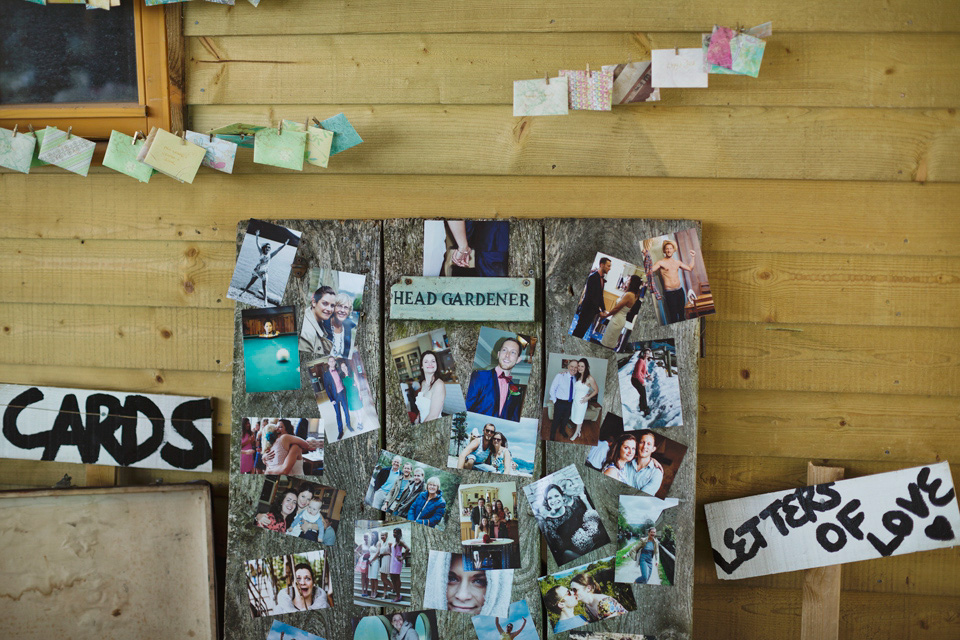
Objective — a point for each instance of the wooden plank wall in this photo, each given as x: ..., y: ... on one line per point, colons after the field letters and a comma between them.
x: 827, y: 188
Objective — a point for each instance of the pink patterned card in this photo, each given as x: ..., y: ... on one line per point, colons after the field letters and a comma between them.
x: 719, y: 51
x: 590, y: 90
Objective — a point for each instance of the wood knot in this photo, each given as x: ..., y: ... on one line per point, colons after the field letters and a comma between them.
x: 192, y: 252
x: 188, y: 286
x: 166, y: 333
x: 745, y: 374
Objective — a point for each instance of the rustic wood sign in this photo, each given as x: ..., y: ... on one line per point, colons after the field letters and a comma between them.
x: 835, y: 522
x: 471, y: 299
x: 113, y: 428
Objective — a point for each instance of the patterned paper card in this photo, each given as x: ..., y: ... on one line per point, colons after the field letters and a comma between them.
x: 590, y: 90
x: 16, y: 151
x: 37, y: 162
x: 284, y: 149
x: 151, y: 3
x: 344, y: 135
x: 72, y: 153
x: 319, y: 141
x: 239, y: 133
x: 171, y: 155
x: 220, y: 154
x: 538, y: 98
x: 632, y: 82
x: 718, y: 53
x: 678, y: 68
x: 122, y: 155
x: 746, y: 53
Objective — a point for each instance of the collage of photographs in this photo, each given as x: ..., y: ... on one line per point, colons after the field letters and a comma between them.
x: 488, y: 434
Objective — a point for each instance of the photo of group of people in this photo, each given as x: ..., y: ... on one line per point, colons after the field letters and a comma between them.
x: 281, y: 446
x: 287, y: 584
x: 333, y: 313
x: 573, y: 401
x: 343, y: 395
x: 650, y: 386
x: 411, y: 490
x: 492, y: 444
x: 450, y: 586
x: 428, y: 377
x: 489, y: 526
x: 263, y: 264
x: 501, y: 373
x: 270, y: 358
x: 409, y: 625
x: 466, y: 248
x: 516, y: 625
x: 299, y: 508
x: 646, y: 548
x: 382, y: 564
x: 581, y: 595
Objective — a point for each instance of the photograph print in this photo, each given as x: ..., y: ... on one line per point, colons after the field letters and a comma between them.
x: 501, y: 373
x: 645, y: 460
x: 678, y: 276
x: 646, y: 547
x: 429, y: 385
x: 281, y: 446
x: 573, y: 400
x: 263, y: 264
x: 411, y: 490
x: 451, y: 586
x: 632, y: 82
x: 585, y: 594
x: 299, y: 508
x: 567, y: 518
x: 650, y: 386
x: 288, y: 584
x: 270, y: 358
x: 332, y: 314
x: 612, y: 296
x: 494, y: 445
x: 407, y: 625
x: 466, y: 248
x: 344, y: 398
x: 283, y: 631
x: 489, y: 526
x: 382, y: 562
x: 516, y: 625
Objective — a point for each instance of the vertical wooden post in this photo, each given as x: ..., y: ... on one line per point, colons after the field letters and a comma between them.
x: 820, y: 616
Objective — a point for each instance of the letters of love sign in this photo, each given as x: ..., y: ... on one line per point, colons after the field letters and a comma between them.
x: 113, y: 428
x: 859, y: 519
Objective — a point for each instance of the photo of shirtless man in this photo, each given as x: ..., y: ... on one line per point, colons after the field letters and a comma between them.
x: 669, y: 267
x: 682, y: 291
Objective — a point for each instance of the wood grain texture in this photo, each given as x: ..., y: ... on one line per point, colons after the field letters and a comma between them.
x: 820, y: 615
x: 403, y: 255
x: 810, y: 70
x: 460, y: 16
x: 570, y: 247
x: 352, y: 246
x: 781, y: 216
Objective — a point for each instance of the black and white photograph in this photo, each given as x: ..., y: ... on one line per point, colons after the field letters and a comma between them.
x: 428, y: 376
x: 490, y: 525
x: 450, y: 586
x: 270, y: 358
x: 678, y: 276
x: 612, y: 296
x: 466, y: 248
x: 281, y: 446
x: 299, y: 508
x: 383, y: 559
x: 501, y: 372
x: 344, y: 398
x: 288, y: 584
x: 646, y: 546
x: 650, y: 386
x: 412, y: 490
x: 570, y: 524
x: 645, y: 460
x: 573, y: 398
x: 263, y: 264
x: 583, y: 595
x: 332, y: 314
x: 494, y: 445
x: 405, y: 625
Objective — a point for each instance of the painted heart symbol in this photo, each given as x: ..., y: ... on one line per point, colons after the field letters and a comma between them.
x: 939, y: 529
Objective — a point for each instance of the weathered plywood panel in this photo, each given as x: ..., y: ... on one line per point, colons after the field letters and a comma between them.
x: 694, y: 142
x: 814, y: 70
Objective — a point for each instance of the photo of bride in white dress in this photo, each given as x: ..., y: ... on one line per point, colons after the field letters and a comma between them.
x: 429, y: 385
x: 573, y: 399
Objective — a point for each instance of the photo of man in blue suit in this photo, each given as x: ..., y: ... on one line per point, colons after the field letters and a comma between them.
x: 492, y: 392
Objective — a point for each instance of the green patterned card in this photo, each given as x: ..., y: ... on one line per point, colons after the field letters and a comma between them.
x: 16, y: 150
x: 121, y: 156
x: 69, y: 152
x: 319, y: 141
x: 284, y: 149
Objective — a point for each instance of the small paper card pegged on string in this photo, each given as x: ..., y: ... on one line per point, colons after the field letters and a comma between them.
x: 16, y: 150
x: 678, y: 68
x: 220, y: 154
x: 344, y: 135
x: 280, y: 147
x: 37, y: 162
x: 319, y: 142
x: 541, y: 97
x: 726, y: 51
x: 633, y: 82
x: 151, y: 3
x: 239, y: 133
x: 66, y: 151
x: 172, y: 155
x: 121, y: 155
x: 589, y: 90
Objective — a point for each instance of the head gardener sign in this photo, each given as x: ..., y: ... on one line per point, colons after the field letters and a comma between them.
x: 858, y: 519
x: 469, y: 299
x: 106, y: 427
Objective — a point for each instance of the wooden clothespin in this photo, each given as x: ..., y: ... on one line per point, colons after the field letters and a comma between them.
x: 69, y: 129
x: 306, y: 124
x: 280, y: 128
x: 30, y: 126
x: 211, y: 136
x: 136, y: 134
x: 183, y: 136
x: 676, y: 51
x: 317, y: 122
x: 15, y: 130
x: 546, y: 77
x: 589, y: 75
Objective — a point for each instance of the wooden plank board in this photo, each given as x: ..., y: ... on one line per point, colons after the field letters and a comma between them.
x: 694, y: 142
x: 403, y: 255
x: 571, y: 247
x: 824, y: 216
x: 821, y: 586
x: 352, y: 246
x: 799, y: 69
x: 462, y: 16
